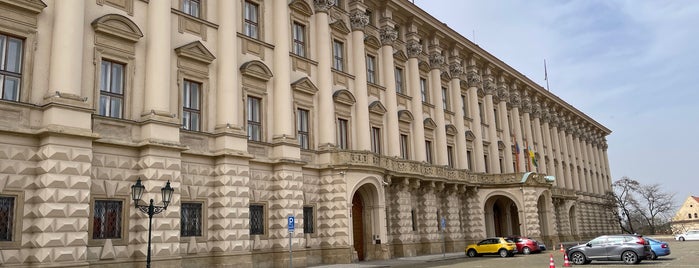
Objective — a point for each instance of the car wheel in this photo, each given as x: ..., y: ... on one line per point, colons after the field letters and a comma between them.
x: 681, y: 238
x: 578, y: 258
x: 526, y: 250
x: 653, y: 256
x: 503, y: 253
x: 629, y: 257
x: 472, y: 253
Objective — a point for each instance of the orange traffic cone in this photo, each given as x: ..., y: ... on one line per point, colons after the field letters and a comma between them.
x: 565, y: 261
x: 562, y: 248
x: 551, y: 265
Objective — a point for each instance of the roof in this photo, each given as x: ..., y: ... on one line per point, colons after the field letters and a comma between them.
x: 696, y: 198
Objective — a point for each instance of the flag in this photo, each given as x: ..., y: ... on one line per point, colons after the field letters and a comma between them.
x: 516, y: 147
x: 533, y: 157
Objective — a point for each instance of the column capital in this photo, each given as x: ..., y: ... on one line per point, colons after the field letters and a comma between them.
x: 515, y: 100
x: 503, y: 92
x: 489, y: 84
x: 472, y: 76
x: 388, y: 35
x: 358, y: 20
x: 436, y: 59
x: 455, y: 69
x: 414, y: 48
x: 536, y: 109
x: 322, y: 6
x: 526, y: 104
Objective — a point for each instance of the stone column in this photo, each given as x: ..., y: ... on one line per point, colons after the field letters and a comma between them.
x: 418, y: 128
x: 389, y: 35
x: 529, y: 145
x: 605, y: 164
x: 456, y: 69
x: 516, y: 102
x: 591, y: 185
x: 326, y: 104
x: 228, y: 93
x: 573, y: 160
x: 579, y: 161
x: 436, y: 60
x: 565, y: 147
x: 158, y: 61
x: 358, y: 20
x: 560, y: 176
x: 594, y: 166
x: 474, y: 81
x: 67, y: 48
x: 538, y: 136
x: 285, y: 144
x: 494, y: 156
x: 504, y: 96
x: 550, y: 167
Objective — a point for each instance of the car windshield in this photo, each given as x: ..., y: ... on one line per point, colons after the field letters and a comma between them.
x: 509, y: 240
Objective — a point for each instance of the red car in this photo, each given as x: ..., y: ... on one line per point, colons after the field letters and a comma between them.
x: 525, y: 245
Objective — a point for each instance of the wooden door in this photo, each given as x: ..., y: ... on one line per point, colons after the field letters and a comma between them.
x: 358, y: 225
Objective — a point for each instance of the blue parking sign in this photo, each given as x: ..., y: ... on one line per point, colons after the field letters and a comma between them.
x: 291, y: 221
x: 444, y: 223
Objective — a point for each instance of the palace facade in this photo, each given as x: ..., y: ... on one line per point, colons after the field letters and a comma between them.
x: 381, y: 130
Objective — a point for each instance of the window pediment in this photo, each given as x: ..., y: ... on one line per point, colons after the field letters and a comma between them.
x: 423, y: 66
x: 429, y: 123
x: 304, y: 85
x: 195, y: 51
x: 256, y: 69
x: 344, y: 96
x: 400, y: 56
x: 377, y: 108
x: 302, y: 7
x: 451, y: 130
x: 340, y: 27
x: 118, y: 26
x: 372, y: 42
x: 469, y: 135
x: 405, y: 116
x: 33, y: 6
x: 501, y: 145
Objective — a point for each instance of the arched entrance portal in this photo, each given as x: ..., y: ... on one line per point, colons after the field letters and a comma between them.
x: 366, y: 211
x: 573, y: 220
x: 358, y: 225
x: 501, y: 216
x: 542, y: 209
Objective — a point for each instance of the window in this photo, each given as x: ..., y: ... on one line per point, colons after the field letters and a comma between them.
x: 376, y: 140
x: 480, y: 112
x: 299, y: 43
x: 254, y: 119
x: 404, y: 146
x: 190, y: 219
x: 497, y: 122
x: 371, y: 69
x: 308, y: 226
x: 423, y: 89
x: 251, y: 20
x: 111, y: 89
x: 10, y: 67
x: 428, y: 151
x: 106, y: 221
x: 7, y: 213
x: 302, y: 128
x: 191, y: 113
x: 445, y: 99
x: 338, y: 55
x: 464, y: 106
x: 485, y: 158
x: 399, y: 80
x: 413, y: 219
x: 191, y: 7
x: 257, y: 219
x: 342, y: 134
x: 469, y: 160
x: 450, y: 156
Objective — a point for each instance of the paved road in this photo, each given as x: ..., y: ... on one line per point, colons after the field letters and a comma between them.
x: 684, y: 254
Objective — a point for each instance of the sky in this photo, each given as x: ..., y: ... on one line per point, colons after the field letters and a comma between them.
x: 631, y: 65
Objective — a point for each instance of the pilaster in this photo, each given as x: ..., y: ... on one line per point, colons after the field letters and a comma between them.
x: 456, y: 70
x: 504, y: 97
x: 229, y: 203
x: 326, y: 104
x: 493, y: 152
x: 436, y: 60
x: 359, y: 20
x: 474, y: 82
x: 388, y: 35
x: 427, y: 219
x: 418, y: 127
x: 516, y: 103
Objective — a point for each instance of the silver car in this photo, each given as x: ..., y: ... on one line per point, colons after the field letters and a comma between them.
x: 689, y: 235
x: 630, y: 249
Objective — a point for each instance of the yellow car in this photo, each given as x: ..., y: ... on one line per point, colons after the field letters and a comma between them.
x: 493, y: 245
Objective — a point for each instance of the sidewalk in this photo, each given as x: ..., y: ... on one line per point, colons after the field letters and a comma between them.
x: 398, y: 261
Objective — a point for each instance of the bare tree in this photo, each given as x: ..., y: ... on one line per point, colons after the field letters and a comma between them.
x: 655, y: 206
x: 623, y: 190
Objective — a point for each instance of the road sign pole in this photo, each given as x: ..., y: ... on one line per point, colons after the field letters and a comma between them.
x: 290, y: 224
x: 444, y: 240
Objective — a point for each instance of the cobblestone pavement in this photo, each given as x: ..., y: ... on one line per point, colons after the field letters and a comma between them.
x: 683, y: 254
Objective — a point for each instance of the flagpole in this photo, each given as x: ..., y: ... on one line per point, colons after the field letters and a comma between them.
x: 546, y: 76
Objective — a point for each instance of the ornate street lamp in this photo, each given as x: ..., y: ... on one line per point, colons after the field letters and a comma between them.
x: 150, y: 209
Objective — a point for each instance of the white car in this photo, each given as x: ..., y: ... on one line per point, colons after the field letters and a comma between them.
x: 689, y: 235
